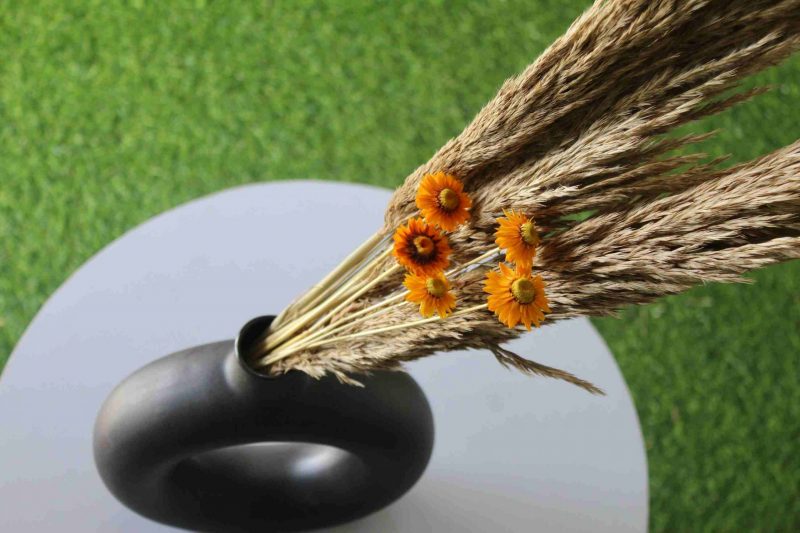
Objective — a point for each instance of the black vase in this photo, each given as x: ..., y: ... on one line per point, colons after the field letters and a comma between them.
x: 199, y: 440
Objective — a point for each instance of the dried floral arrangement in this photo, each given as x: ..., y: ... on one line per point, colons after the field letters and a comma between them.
x: 566, y: 196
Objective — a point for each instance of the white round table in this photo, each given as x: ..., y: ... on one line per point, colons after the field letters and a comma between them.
x: 512, y: 453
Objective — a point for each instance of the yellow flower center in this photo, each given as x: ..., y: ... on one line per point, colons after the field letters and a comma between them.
x: 436, y: 287
x: 424, y: 245
x: 523, y: 290
x: 448, y: 199
x: 528, y: 233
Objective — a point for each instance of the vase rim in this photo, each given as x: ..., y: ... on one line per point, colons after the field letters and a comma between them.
x: 247, y: 335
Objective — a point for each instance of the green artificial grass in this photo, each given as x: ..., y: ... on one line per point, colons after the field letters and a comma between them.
x: 110, y: 114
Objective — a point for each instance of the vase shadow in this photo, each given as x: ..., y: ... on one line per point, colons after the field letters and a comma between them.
x: 449, y: 504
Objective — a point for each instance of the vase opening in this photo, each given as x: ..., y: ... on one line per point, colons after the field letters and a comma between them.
x: 249, y: 335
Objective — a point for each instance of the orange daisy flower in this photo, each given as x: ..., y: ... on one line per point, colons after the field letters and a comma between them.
x: 420, y: 248
x: 516, y: 297
x: 432, y: 293
x: 442, y: 201
x: 518, y: 237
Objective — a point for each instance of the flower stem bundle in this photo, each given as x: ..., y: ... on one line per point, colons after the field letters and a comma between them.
x: 566, y: 196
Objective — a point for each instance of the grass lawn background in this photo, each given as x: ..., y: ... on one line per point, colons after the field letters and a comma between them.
x: 110, y: 114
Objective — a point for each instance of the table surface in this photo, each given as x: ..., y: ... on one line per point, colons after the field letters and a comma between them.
x: 512, y: 453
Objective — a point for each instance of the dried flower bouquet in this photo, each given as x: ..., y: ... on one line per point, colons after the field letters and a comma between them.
x: 566, y: 196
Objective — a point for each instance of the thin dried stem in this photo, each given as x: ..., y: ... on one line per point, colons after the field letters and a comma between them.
x: 336, y: 274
